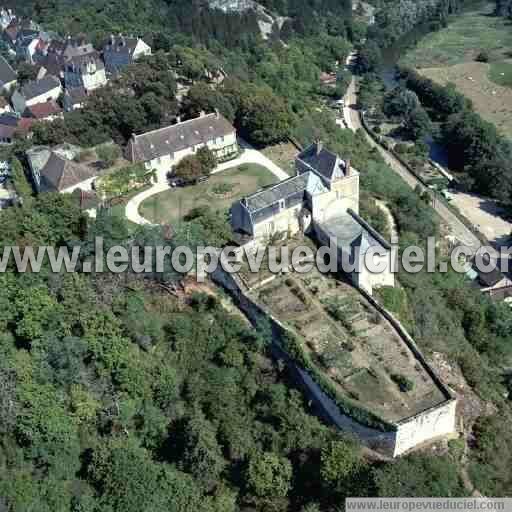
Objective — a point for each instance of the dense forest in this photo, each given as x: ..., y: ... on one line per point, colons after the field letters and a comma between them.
x: 163, y: 22
x: 504, y: 8
x: 474, y: 147
x: 117, y: 395
x: 396, y: 18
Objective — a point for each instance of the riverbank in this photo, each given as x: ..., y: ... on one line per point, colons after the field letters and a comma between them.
x: 468, y: 34
x: 452, y: 55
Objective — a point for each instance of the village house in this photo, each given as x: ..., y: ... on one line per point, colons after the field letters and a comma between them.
x: 120, y: 51
x: 26, y: 44
x: 76, y: 62
x: 10, y: 34
x: 490, y: 280
x: 74, y: 98
x: 47, y: 111
x: 321, y: 200
x: 161, y: 149
x: 37, y: 91
x: 5, y: 107
x: 86, y: 71
x: 54, y: 170
x: 6, y: 18
x: 12, y: 126
x: 8, y: 77
x: 18, y: 32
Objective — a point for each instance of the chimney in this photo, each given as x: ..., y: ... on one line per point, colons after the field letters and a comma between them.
x: 217, y: 114
x: 319, y: 146
x: 348, y: 168
x: 201, y: 113
x: 178, y: 119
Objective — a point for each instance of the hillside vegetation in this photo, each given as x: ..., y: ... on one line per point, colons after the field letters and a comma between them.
x: 123, y: 393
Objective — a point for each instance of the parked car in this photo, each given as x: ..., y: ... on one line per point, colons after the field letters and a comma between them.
x: 177, y: 182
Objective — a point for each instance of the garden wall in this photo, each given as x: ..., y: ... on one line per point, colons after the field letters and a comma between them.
x: 387, y: 438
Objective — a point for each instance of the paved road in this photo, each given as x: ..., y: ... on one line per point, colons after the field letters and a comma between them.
x: 458, y: 229
x: 249, y: 156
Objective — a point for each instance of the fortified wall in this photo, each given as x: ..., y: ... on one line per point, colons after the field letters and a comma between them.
x: 389, y: 438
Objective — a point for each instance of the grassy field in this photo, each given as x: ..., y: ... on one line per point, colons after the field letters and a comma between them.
x: 219, y: 192
x: 449, y: 56
x: 463, y: 39
x: 501, y: 73
x: 491, y: 101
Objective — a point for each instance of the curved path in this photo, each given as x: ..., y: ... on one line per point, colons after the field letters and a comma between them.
x: 353, y: 120
x: 248, y: 156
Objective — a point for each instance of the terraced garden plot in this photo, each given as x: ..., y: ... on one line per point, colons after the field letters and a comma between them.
x: 351, y: 344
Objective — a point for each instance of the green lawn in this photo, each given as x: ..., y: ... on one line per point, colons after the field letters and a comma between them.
x: 218, y: 192
x: 501, y: 73
x: 462, y: 40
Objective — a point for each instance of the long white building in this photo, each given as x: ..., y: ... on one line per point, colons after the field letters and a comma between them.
x: 161, y: 149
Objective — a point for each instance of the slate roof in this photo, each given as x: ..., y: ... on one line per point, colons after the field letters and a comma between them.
x: 170, y: 139
x: 7, y: 74
x: 324, y: 162
x: 12, y: 32
x: 7, y: 132
x: 38, y: 87
x: 306, y: 182
x: 353, y: 234
x: 76, y: 94
x: 274, y: 193
x: 84, y: 59
x: 121, y: 44
x: 8, y: 120
x: 10, y: 124
x: 491, y: 278
x: 75, y: 47
x: 60, y: 173
x: 25, y: 36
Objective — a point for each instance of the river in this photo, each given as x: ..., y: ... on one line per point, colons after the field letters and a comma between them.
x: 392, y: 54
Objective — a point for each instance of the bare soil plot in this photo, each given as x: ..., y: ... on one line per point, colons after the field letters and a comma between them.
x: 351, y: 343
x: 488, y: 216
x: 492, y: 101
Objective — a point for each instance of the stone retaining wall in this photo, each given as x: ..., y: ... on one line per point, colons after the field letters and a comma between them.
x: 401, y: 437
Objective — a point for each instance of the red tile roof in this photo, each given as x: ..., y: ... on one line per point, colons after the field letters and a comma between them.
x: 25, y: 123
x: 44, y: 110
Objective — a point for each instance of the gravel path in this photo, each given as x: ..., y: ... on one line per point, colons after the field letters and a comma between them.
x: 248, y: 156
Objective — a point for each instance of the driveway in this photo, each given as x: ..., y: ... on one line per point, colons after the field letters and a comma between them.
x: 248, y: 156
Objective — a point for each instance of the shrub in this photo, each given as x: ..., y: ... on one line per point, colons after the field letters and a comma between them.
x: 404, y: 384
x: 483, y: 56
x: 108, y: 154
x: 401, y: 148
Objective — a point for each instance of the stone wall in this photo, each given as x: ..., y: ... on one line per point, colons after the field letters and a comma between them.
x: 429, y: 424
x: 405, y: 435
